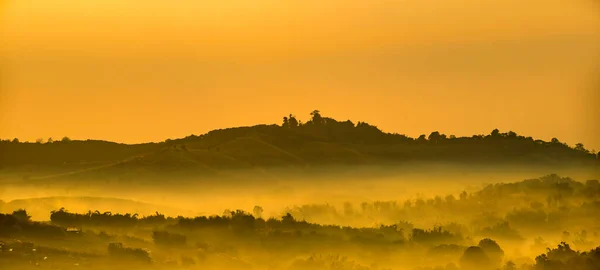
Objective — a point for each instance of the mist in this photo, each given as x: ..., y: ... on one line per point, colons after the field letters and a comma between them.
x: 407, y: 221
x: 300, y: 135
x: 440, y: 60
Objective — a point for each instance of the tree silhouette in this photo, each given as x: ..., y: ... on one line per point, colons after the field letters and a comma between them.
x: 257, y: 211
x: 117, y: 250
x: 287, y: 219
x: 492, y: 249
x: 579, y: 147
x: 565, y: 258
x: 317, y: 119
x: 292, y: 121
x: 21, y: 215
x: 164, y: 238
x: 435, y: 137
x: 285, y: 122
x: 474, y: 258
x: 463, y: 195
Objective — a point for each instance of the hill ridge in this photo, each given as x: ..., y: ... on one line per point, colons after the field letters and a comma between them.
x: 320, y: 141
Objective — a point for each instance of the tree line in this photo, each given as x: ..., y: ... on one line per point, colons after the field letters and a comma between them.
x: 317, y: 122
x: 329, y: 126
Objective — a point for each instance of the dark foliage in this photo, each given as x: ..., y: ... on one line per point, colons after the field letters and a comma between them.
x: 307, y: 141
x: 565, y: 258
x: 118, y: 251
x: 166, y: 239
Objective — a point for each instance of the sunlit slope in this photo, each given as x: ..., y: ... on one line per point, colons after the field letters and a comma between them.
x: 69, y: 152
x: 63, y: 158
x: 248, y: 153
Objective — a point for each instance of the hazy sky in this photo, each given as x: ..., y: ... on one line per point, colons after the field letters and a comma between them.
x: 134, y: 71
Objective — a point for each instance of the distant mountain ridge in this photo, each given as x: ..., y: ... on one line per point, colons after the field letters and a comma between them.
x: 318, y: 142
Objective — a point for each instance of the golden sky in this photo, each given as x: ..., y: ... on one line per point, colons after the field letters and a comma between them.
x: 135, y: 71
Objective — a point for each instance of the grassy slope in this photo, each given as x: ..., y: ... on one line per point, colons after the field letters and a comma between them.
x: 257, y: 148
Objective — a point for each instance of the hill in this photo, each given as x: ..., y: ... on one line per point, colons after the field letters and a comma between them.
x: 318, y: 143
x: 40, y: 207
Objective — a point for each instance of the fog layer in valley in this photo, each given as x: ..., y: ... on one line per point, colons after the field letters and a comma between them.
x: 431, y: 216
x: 274, y: 190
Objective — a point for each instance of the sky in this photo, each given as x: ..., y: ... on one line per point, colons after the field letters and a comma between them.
x: 138, y: 71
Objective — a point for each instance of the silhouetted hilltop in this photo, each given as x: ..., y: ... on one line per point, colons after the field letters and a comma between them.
x: 319, y: 141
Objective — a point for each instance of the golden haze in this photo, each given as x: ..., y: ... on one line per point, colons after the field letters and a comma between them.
x: 135, y: 71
